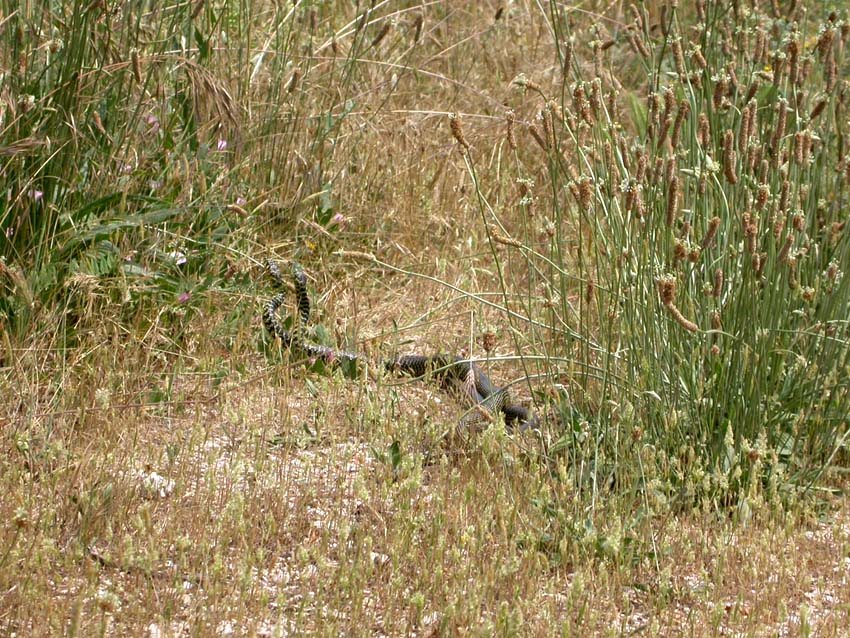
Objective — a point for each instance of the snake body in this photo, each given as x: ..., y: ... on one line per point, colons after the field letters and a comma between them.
x: 453, y: 372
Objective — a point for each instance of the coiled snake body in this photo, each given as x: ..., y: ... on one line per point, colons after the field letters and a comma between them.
x: 451, y: 371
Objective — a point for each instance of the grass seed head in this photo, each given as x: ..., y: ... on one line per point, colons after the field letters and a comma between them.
x: 786, y: 248
x: 711, y: 233
x: 457, y: 130
x: 672, y: 201
x: 385, y: 29
x: 730, y: 157
x: 137, y: 65
x: 717, y: 289
x: 679, y: 57
x: 762, y: 194
x: 818, y: 108
x: 510, y: 118
x: 704, y: 131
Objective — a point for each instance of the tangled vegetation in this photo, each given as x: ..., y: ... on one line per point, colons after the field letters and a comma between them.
x: 632, y: 214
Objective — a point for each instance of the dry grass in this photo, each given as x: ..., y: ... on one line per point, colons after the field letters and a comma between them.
x: 280, y: 512
x: 170, y: 473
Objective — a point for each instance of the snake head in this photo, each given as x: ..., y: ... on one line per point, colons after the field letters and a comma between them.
x: 298, y: 273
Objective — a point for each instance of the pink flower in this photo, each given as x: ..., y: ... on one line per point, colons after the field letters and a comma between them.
x: 222, y: 144
x: 241, y: 201
x: 184, y: 297
x: 36, y: 195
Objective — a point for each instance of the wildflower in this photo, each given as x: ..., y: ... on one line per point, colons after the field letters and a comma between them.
x: 184, y: 297
x: 222, y: 144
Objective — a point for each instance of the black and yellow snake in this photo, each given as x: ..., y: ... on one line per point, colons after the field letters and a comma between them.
x: 451, y: 371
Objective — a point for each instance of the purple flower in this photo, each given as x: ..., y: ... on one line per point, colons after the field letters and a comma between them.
x: 36, y: 195
x: 241, y: 201
x: 222, y: 144
x: 153, y: 123
x: 184, y: 297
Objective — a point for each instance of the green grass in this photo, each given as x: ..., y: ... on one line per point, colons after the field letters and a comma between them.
x: 645, y: 205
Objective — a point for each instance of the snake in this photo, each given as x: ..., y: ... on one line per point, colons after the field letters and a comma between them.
x: 452, y: 371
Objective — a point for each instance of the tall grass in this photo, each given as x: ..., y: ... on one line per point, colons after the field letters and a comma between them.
x: 649, y: 201
x: 143, y: 143
x: 698, y: 248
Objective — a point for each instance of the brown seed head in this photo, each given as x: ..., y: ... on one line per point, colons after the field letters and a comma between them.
x: 698, y: 59
x: 793, y: 61
x: 819, y: 107
x: 683, y: 321
x: 417, y: 27
x: 779, y: 132
x: 799, y: 143
x: 786, y: 248
x: 681, y: 115
x: 711, y: 233
x: 98, y: 123
x: 704, y: 131
x: 510, y: 118
x: 537, y: 137
x: 667, y: 289
x: 137, y: 65
x: 716, y: 323
x: 381, y: 35
x: 679, y: 57
x: 730, y: 157
x: 717, y: 289
x: 672, y: 201
x: 792, y: 273
x: 721, y: 86
x: 457, y: 130
x: 784, y: 196
x: 832, y: 271
x: 293, y: 80
x: 636, y: 41
x: 750, y: 232
x: 679, y: 251
x: 497, y: 235
x: 824, y: 44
